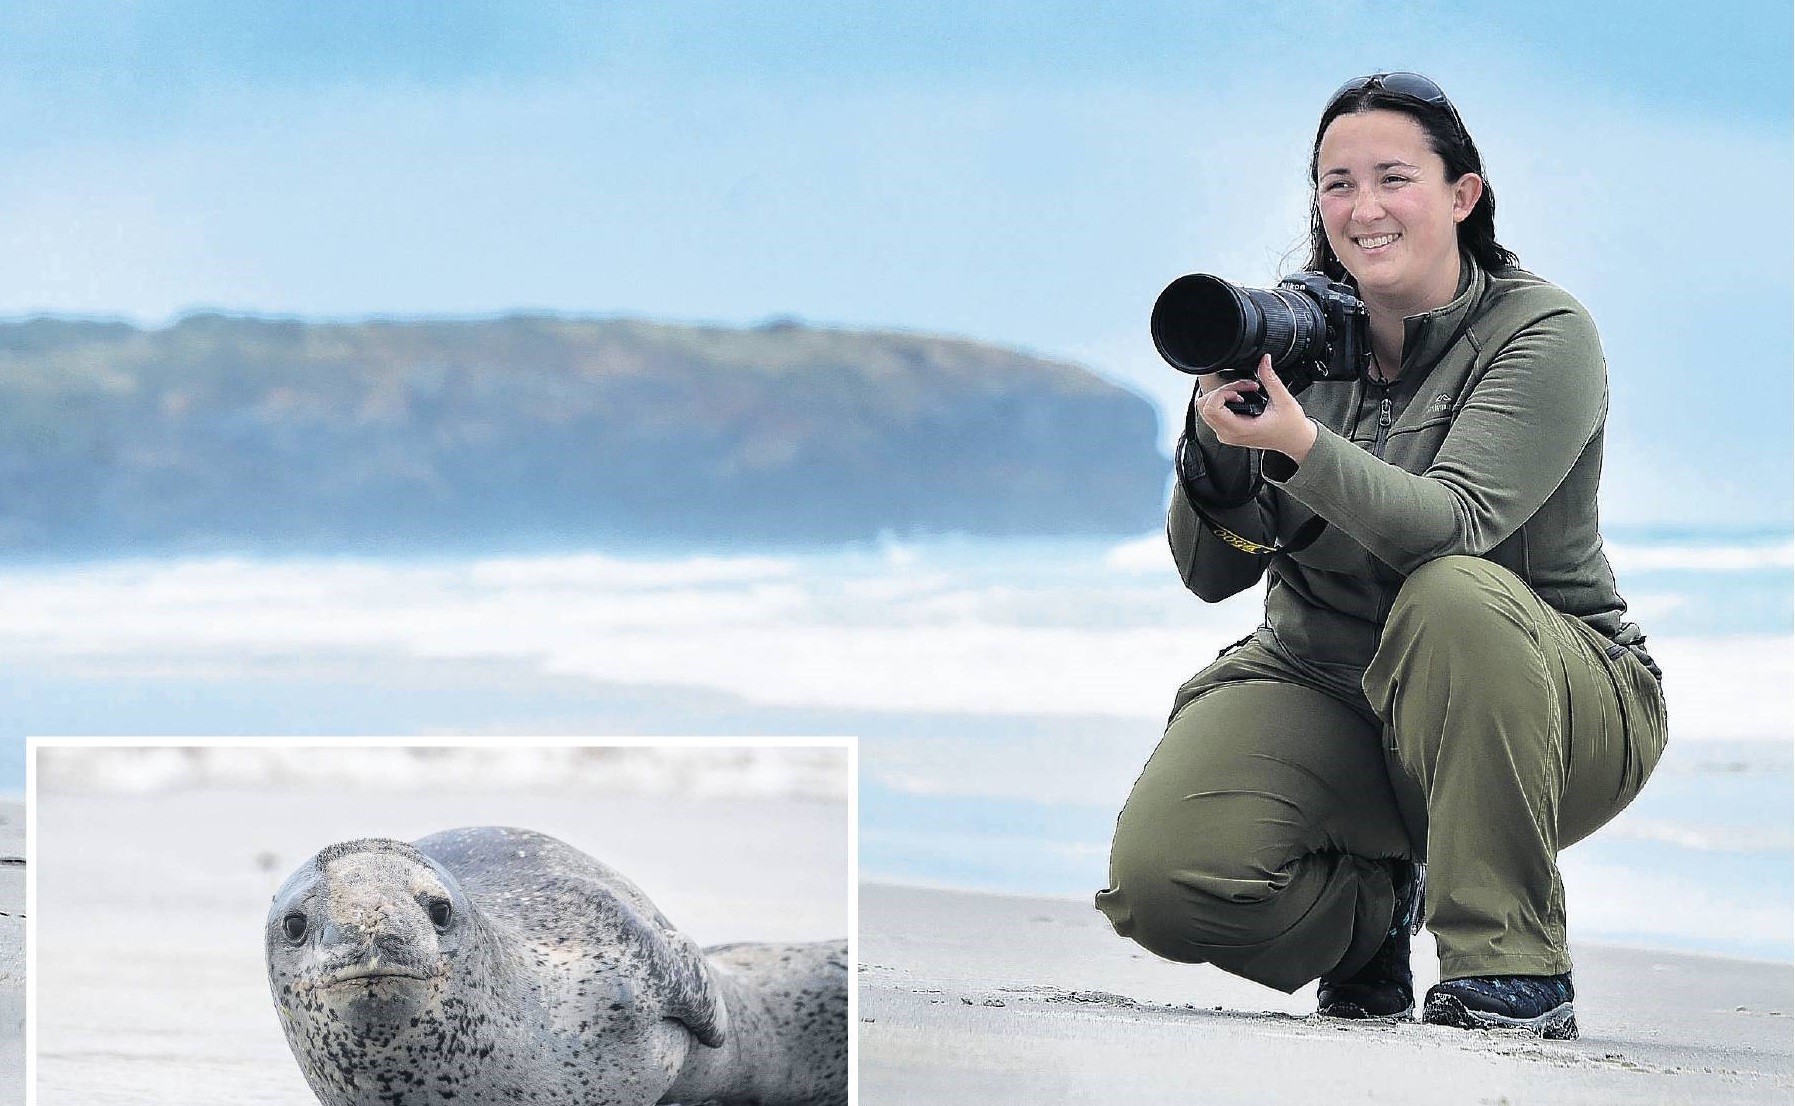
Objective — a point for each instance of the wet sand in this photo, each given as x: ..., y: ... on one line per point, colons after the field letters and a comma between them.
x: 978, y: 999
x: 151, y: 981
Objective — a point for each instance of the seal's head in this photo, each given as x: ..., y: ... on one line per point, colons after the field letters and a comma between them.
x: 368, y: 930
x: 483, y: 965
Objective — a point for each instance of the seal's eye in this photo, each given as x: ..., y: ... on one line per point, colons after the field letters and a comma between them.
x: 294, y: 927
x: 439, y: 913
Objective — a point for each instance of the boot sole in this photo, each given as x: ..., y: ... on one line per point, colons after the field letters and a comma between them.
x: 1352, y: 1011
x: 1556, y: 1024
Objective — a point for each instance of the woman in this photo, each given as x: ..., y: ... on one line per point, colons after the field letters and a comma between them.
x: 1443, y: 674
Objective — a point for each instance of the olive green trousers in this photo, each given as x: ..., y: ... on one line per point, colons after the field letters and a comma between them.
x: 1494, y: 731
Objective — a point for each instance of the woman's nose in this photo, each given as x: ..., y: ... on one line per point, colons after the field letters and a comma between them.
x: 1366, y: 208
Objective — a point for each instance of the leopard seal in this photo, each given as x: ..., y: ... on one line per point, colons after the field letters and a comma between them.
x: 490, y: 965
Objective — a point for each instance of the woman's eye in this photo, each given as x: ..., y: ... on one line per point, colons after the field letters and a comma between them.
x: 293, y: 925
x: 440, y: 913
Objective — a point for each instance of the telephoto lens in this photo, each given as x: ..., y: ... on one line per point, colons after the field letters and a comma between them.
x: 1313, y: 329
x: 1203, y: 324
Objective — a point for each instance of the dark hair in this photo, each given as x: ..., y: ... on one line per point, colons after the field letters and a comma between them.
x: 1447, y: 136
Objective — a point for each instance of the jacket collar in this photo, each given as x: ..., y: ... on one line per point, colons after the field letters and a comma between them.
x: 1427, y: 336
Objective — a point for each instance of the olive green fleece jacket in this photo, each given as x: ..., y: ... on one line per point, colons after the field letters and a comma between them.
x: 1489, y: 443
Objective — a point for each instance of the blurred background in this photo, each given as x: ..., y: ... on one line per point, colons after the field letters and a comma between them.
x: 757, y: 368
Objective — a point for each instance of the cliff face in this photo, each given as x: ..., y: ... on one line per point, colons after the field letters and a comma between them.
x: 530, y: 432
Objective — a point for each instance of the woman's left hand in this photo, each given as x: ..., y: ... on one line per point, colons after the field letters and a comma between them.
x: 1282, y: 426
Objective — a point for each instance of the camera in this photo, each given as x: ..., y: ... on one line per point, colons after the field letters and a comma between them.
x: 1313, y: 328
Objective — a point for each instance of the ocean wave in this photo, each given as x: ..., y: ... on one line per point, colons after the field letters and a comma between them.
x: 1699, y: 558
x: 986, y: 634
x: 601, y: 570
x: 1652, y: 908
x: 1703, y: 837
x: 1149, y: 553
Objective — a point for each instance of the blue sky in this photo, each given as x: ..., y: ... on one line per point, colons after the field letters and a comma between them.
x: 1029, y: 174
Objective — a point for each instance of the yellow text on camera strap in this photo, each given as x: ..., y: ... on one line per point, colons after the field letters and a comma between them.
x: 1245, y: 545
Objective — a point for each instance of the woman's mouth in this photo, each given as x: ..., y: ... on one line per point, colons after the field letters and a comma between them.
x: 1373, y: 243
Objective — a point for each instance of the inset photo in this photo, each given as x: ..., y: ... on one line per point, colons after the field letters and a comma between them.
x: 402, y: 922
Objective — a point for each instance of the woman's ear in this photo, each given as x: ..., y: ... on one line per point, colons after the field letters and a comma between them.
x: 1465, y: 194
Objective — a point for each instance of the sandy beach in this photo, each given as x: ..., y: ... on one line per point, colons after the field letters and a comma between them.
x: 12, y: 949
x: 150, y: 981
x: 973, y: 998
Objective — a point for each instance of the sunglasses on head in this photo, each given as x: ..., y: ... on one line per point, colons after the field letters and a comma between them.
x: 1412, y: 85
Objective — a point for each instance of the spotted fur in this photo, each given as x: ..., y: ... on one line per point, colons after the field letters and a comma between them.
x: 496, y: 965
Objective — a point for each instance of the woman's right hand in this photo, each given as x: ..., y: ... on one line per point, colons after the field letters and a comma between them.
x: 1209, y: 382
x: 1281, y: 425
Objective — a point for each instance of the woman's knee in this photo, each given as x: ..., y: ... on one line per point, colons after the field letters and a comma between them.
x: 1455, y: 585
x: 1455, y: 597
x: 1163, y: 912
x: 1464, y: 635
x: 1173, y: 892
x: 1251, y: 781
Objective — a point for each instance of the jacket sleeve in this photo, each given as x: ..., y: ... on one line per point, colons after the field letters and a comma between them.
x: 1222, y: 481
x: 1520, y: 430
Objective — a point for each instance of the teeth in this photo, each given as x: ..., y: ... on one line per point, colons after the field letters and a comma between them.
x: 1374, y: 243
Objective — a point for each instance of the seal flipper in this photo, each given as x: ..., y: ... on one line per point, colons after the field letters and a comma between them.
x: 691, y: 995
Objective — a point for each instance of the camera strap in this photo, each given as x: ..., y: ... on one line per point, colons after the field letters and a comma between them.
x: 1188, y: 463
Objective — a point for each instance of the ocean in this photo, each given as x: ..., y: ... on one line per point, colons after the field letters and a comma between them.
x: 1005, y: 692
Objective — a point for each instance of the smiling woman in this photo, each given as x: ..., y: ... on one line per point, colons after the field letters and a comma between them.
x: 1388, y: 202
x: 1443, y: 676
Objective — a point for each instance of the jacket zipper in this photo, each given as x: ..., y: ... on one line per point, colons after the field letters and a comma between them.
x: 1383, y: 424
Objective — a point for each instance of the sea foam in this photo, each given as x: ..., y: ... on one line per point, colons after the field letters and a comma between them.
x: 982, y: 630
